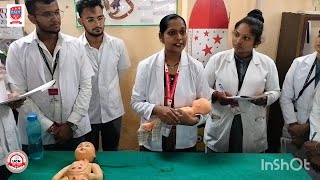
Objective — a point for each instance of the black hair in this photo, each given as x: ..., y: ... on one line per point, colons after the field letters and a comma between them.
x: 165, y: 21
x: 82, y: 4
x: 31, y: 5
x: 255, y: 20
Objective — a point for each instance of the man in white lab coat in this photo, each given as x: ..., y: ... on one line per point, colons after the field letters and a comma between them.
x: 47, y: 54
x: 299, y: 87
x: 109, y: 58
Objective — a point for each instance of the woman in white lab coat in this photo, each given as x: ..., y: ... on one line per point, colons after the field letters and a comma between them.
x: 241, y: 125
x: 9, y: 136
x: 168, y: 80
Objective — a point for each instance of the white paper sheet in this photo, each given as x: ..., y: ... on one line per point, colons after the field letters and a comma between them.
x: 42, y: 88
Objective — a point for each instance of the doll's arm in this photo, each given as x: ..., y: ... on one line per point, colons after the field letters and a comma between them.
x: 188, y: 110
x: 61, y: 174
x: 96, y: 172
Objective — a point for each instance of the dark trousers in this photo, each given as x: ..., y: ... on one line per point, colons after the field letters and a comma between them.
x: 71, y: 145
x: 110, y: 134
x: 4, y: 173
x: 236, y: 135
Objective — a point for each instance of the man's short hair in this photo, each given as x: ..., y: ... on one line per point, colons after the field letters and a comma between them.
x: 82, y: 4
x: 31, y: 5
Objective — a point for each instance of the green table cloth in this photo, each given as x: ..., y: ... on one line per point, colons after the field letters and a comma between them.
x: 152, y: 165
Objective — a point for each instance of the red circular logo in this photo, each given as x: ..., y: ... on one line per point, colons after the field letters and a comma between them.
x: 17, y: 161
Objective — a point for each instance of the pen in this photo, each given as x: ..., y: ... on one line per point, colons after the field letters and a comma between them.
x: 313, y: 135
x: 221, y: 87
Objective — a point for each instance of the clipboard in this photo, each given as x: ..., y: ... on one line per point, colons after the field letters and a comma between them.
x: 248, y: 98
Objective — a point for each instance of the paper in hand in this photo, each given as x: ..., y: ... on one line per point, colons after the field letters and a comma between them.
x: 42, y: 88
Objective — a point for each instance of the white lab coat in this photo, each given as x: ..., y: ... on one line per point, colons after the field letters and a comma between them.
x: 292, y: 85
x: 315, y: 116
x: 9, y: 135
x: 261, y: 76
x: 25, y: 68
x: 106, y: 102
x: 148, y: 91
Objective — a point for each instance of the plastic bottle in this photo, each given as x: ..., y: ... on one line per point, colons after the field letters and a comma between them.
x: 35, y: 147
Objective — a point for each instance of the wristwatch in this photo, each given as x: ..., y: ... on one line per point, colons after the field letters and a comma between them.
x: 74, y: 127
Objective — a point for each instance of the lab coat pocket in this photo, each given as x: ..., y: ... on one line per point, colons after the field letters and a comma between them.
x: 213, y: 127
x: 260, y: 130
x: 216, y: 119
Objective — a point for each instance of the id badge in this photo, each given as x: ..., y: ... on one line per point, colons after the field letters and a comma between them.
x: 53, y: 91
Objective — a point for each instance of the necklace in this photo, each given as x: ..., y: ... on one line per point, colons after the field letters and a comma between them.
x: 172, y: 66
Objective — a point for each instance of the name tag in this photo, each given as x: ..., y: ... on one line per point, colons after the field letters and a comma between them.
x: 53, y: 91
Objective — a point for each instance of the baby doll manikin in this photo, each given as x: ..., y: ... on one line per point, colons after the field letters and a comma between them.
x: 82, y: 168
x: 200, y: 106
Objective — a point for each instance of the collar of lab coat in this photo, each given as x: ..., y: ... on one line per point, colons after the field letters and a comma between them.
x: 183, y: 59
x: 106, y: 38
x: 33, y: 37
x: 311, y: 58
x: 254, y: 59
x: 31, y: 40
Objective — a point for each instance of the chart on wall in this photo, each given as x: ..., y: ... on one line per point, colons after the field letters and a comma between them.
x: 136, y: 12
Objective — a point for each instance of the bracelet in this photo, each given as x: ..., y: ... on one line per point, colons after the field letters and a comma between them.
x: 51, y: 128
x: 315, y: 146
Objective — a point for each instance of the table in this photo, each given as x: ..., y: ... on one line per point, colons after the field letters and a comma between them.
x: 173, y: 166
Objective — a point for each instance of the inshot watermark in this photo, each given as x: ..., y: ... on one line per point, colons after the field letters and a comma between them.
x: 295, y: 164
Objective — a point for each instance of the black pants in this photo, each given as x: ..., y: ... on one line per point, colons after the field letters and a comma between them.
x: 4, y: 173
x: 71, y: 145
x: 236, y: 135
x: 110, y: 134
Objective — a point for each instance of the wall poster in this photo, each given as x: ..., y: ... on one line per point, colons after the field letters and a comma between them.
x: 136, y: 12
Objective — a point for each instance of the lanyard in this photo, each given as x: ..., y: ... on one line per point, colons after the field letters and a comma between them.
x: 306, y: 84
x: 310, y: 72
x: 170, y: 90
x: 45, y: 60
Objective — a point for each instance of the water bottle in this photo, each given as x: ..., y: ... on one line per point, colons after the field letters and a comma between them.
x: 35, y: 146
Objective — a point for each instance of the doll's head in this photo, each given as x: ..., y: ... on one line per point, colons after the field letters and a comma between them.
x: 201, y: 106
x: 85, y: 150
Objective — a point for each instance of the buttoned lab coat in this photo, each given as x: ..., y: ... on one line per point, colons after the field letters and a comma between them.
x: 261, y: 76
x: 314, y: 117
x: 292, y: 85
x: 9, y: 135
x: 106, y: 101
x: 148, y: 91
x: 25, y: 68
